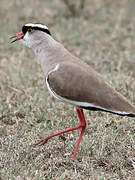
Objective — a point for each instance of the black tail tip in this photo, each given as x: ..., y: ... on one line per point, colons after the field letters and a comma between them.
x: 131, y: 115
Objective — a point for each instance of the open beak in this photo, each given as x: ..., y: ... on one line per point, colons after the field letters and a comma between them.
x: 17, y: 37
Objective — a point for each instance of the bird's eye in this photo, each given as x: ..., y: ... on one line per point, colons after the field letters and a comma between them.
x: 30, y: 30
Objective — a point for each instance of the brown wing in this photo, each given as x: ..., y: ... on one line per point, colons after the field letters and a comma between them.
x: 78, y: 82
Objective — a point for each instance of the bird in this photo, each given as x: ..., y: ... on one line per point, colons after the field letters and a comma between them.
x: 71, y: 80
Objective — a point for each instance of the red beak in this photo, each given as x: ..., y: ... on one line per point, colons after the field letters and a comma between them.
x: 17, y: 36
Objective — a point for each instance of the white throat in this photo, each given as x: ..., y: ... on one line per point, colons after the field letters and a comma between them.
x: 26, y: 40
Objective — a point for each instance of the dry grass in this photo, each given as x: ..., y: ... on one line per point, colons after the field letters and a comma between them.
x: 103, y: 35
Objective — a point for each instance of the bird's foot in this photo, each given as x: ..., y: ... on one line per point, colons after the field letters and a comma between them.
x: 42, y: 141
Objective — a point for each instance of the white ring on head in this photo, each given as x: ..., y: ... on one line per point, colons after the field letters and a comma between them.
x: 37, y: 25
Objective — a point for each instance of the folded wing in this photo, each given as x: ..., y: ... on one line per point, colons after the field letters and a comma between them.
x: 80, y: 85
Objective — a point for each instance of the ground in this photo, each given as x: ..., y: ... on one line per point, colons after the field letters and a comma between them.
x: 101, y: 34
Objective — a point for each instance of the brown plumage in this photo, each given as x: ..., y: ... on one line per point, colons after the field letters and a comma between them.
x: 82, y: 84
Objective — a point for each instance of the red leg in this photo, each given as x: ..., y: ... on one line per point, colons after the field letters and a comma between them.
x: 82, y: 125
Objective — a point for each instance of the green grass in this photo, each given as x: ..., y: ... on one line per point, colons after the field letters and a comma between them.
x: 103, y: 35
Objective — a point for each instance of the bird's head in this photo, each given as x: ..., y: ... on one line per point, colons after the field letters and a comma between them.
x: 32, y: 34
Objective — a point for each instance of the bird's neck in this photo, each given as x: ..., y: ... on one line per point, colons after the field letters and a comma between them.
x: 49, y: 54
